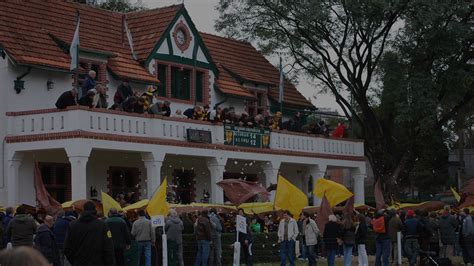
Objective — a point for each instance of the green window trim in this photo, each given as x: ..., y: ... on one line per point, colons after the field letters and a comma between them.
x: 199, y: 86
x: 180, y: 83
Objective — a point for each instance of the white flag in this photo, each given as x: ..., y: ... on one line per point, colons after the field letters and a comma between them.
x: 282, y: 83
x: 74, y: 49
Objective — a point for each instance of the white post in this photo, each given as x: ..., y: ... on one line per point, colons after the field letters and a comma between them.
x: 236, y: 253
x: 399, y: 247
x: 13, y: 178
x: 153, y: 163
x: 78, y: 177
x: 164, y: 244
x: 216, y: 168
x: 271, y: 170
x: 316, y: 172
x: 359, y: 189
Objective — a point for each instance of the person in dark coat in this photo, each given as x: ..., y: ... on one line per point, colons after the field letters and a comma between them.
x: 332, y: 231
x: 21, y: 229
x: 174, y: 232
x: 123, y: 92
x: 447, y: 232
x: 88, y: 99
x: 129, y: 104
x: 89, y: 240
x: 68, y: 98
x: 45, y: 241
x: 6, y: 220
x: 361, y: 240
x: 202, y: 228
x: 60, y: 230
x: 100, y: 98
x: 120, y: 235
x: 89, y: 83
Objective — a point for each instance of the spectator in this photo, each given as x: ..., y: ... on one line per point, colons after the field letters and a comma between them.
x: 296, y: 123
x: 424, y: 233
x: 166, y: 110
x: 411, y: 233
x: 60, y: 230
x: 382, y: 238
x: 144, y: 235
x: 120, y: 235
x: 259, y: 121
x: 245, y: 121
x: 100, y: 98
x: 348, y: 229
x: 6, y: 220
x: 178, y: 114
x: 174, y: 232
x: 129, y: 104
x: 124, y: 91
x: 434, y: 239
x: 89, y: 240
x: 467, y: 238
x: 245, y: 240
x: 21, y: 229
x: 310, y: 232
x: 339, y: 131
x: 116, y: 107
x: 67, y: 98
x: 216, y: 251
x: 216, y: 115
x: 88, y: 98
x: 361, y: 239
x: 275, y: 122
x: 188, y: 223
x: 140, y: 107
x: 199, y: 114
x: 45, y: 241
x: 395, y: 225
x: 189, y: 113
x: 89, y: 83
x: 287, y: 234
x: 22, y: 256
x: 447, y: 232
x: 202, y: 228
x: 331, y: 233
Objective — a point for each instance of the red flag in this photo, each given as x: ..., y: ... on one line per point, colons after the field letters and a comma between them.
x: 378, y: 194
x: 239, y: 191
x: 349, y: 207
x: 43, y: 198
x: 323, y: 214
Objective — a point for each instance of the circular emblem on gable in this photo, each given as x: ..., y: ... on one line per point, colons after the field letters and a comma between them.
x: 182, y: 36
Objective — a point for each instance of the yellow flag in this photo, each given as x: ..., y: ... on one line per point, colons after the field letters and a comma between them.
x: 335, y: 192
x: 108, y: 202
x: 289, y: 197
x: 456, y: 195
x: 157, y: 204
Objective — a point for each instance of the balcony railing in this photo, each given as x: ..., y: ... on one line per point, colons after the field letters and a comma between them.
x: 138, y: 125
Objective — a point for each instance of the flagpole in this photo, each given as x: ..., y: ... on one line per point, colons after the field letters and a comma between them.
x: 76, y: 70
x: 281, y: 93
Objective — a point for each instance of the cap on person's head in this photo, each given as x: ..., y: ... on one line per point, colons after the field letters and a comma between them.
x: 89, y: 206
x: 410, y: 213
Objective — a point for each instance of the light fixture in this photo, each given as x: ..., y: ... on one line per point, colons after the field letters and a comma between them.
x: 49, y: 84
x: 19, y: 85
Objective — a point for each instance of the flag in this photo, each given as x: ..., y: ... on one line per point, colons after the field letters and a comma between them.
x: 239, y: 191
x: 157, y: 204
x: 349, y: 207
x: 43, y: 198
x: 108, y: 202
x: 456, y: 195
x: 378, y: 194
x: 282, y: 83
x: 334, y: 192
x: 289, y: 197
x: 74, y: 49
x: 322, y: 217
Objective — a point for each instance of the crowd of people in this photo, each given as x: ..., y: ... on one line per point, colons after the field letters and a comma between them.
x: 94, y: 95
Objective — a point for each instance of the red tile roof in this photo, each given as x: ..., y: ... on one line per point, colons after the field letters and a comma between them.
x: 242, y: 60
x: 24, y: 28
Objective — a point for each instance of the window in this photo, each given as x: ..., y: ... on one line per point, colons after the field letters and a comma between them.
x: 124, y: 180
x: 199, y: 86
x: 180, y: 83
x: 162, y: 71
x: 57, y: 180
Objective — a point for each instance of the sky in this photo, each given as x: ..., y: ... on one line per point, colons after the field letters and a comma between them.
x: 203, y: 14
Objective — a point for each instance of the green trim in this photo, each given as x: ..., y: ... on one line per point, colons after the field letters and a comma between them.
x: 170, y: 45
x: 166, y: 35
x: 182, y: 60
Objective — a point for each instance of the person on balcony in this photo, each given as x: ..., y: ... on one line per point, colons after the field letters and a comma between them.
x: 88, y: 99
x: 89, y: 83
x: 100, y: 98
x: 67, y: 98
x: 178, y: 114
x: 339, y: 131
x: 129, y: 104
x: 124, y: 91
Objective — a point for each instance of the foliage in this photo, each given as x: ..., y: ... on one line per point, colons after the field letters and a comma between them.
x: 123, y: 6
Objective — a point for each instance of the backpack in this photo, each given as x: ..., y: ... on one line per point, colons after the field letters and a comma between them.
x: 379, y: 225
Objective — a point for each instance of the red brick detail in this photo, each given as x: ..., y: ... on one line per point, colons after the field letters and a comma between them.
x: 158, y: 141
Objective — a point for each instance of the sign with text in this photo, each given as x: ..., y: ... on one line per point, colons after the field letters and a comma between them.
x: 158, y: 220
x: 247, y: 137
x: 241, y: 224
x: 197, y: 135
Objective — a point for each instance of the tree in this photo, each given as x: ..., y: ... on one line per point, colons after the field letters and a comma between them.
x: 123, y: 6
x: 341, y: 45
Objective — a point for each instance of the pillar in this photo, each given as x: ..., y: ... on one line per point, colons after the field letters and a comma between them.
x: 78, y: 154
x: 13, y: 178
x: 271, y: 170
x: 216, y: 168
x: 316, y: 172
x: 359, y: 188
x: 153, y: 163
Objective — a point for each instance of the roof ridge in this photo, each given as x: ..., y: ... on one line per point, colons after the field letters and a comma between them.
x: 227, y: 38
x: 87, y: 6
x: 154, y: 9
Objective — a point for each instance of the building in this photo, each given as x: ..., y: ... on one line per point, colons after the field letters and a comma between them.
x: 83, y: 151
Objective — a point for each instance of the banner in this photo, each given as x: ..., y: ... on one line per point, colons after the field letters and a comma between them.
x: 246, y: 137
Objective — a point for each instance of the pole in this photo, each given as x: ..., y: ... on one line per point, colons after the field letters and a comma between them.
x: 164, y: 244
x: 399, y: 248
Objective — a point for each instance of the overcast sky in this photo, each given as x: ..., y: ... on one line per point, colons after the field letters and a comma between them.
x: 203, y: 14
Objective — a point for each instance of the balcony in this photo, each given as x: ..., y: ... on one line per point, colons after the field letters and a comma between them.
x: 121, y: 126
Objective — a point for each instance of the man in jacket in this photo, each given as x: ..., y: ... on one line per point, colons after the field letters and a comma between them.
x: 447, y: 232
x: 287, y: 234
x: 382, y: 241
x: 202, y: 229
x: 45, y: 241
x: 143, y: 233
x: 467, y: 238
x: 394, y: 226
x: 216, y: 252
x: 123, y: 92
x: 89, y: 83
x: 411, y: 231
x: 67, y: 98
x: 120, y: 235
x: 311, y: 232
x: 60, y: 230
x: 89, y: 240
x: 21, y: 229
x: 174, y: 234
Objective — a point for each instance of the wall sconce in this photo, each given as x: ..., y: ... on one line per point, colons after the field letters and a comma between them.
x: 19, y: 85
x: 49, y: 84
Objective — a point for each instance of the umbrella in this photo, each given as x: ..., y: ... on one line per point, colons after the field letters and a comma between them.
x: 239, y: 191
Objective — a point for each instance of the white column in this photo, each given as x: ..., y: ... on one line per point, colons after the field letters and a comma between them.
x: 271, y: 170
x: 13, y: 178
x: 153, y: 163
x: 216, y: 168
x: 316, y: 172
x: 359, y: 193
x: 78, y: 154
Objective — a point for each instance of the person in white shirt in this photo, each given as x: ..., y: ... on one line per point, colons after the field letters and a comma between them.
x: 311, y: 232
x: 287, y: 234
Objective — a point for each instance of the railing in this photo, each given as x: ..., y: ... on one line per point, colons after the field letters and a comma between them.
x: 136, y: 125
